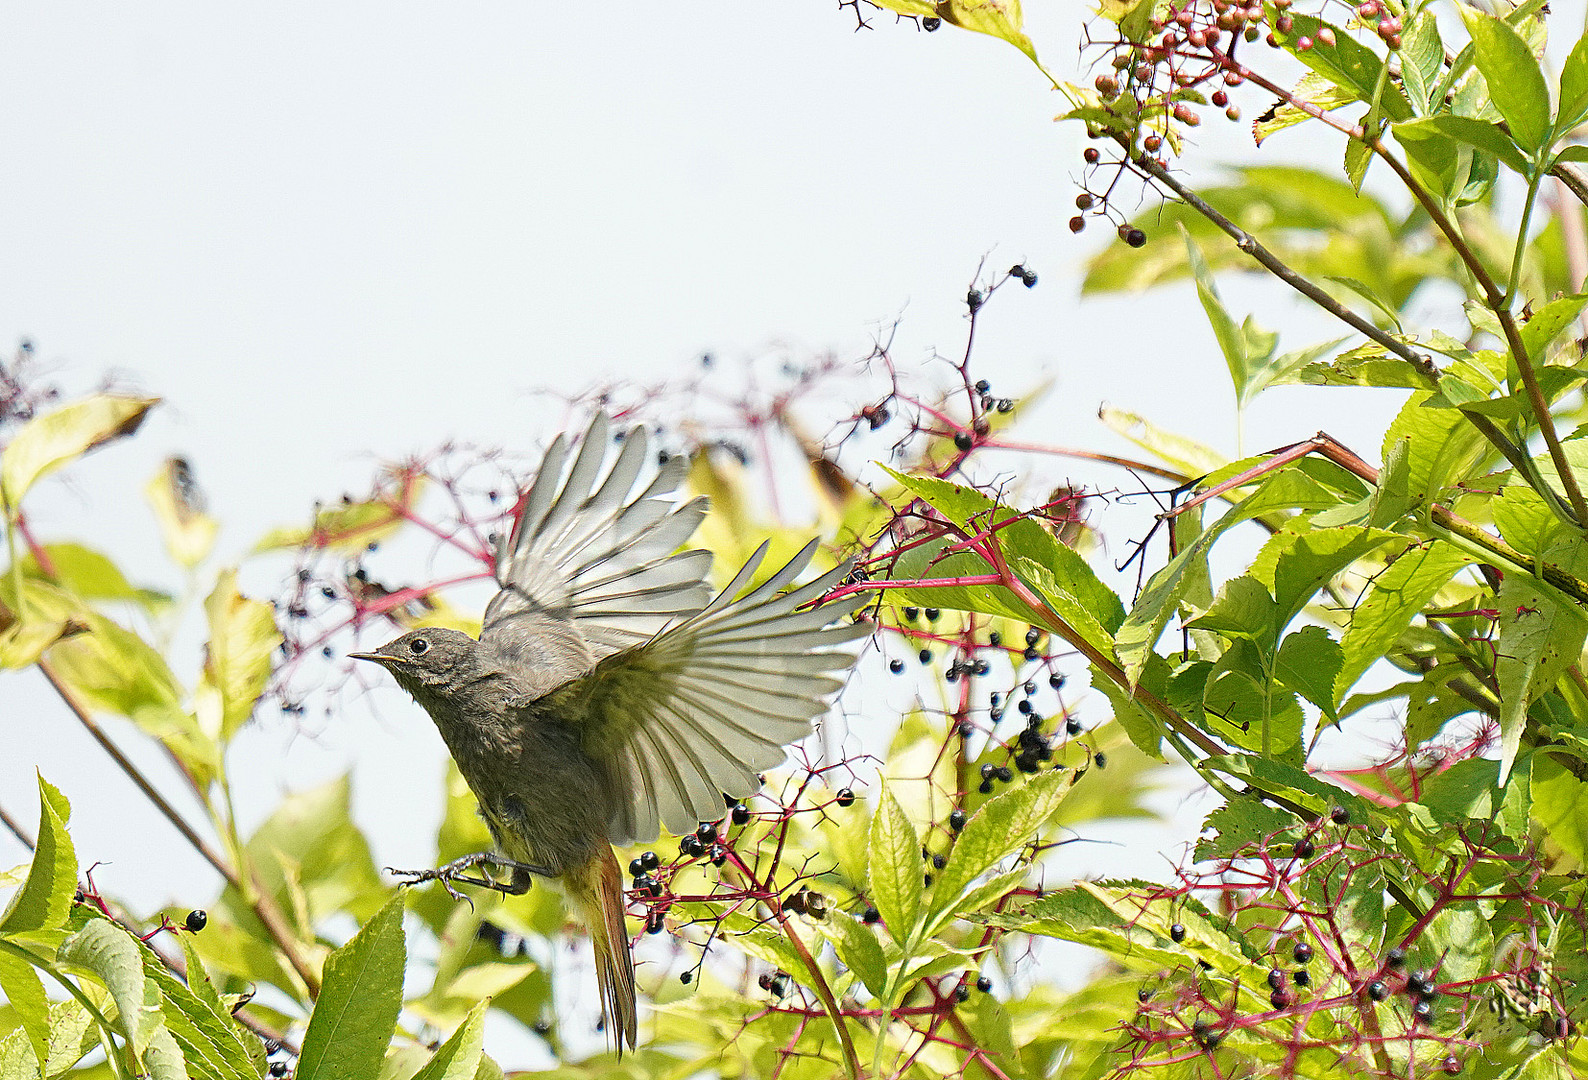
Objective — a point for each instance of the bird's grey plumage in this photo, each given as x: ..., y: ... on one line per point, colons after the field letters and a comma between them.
x: 610, y: 693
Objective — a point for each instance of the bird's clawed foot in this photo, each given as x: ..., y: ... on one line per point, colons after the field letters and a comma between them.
x: 458, y: 871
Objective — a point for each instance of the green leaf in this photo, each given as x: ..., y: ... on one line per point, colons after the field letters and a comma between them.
x: 1059, y: 573
x: 1422, y: 59
x: 1560, y: 806
x: 1368, y: 293
x: 211, y: 1042
x: 237, y: 660
x: 1444, y: 446
x: 1482, y: 135
x: 1573, y: 89
x: 356, y: 1013
x: 857, y: 946
x: 999, y: 18
x: 1288, y: 489
x: 1308, y: 662
x: 1347, y: 63
x: 1549, y: 322
x: 1187, y: 456
x: 894, y: 873
x: 1539, y: 638
x: 310, y: 843
x: 459, y: 1057
x: 1238, y: 824
x: 1002, y: 826
x: 1393, y: 598
x: 91, y: 575
x: 178, y: 506
x: 45, y: 899
x: 25, y: 993
x: 72, y: 1034
x: 352, y: 527
x: 53, y: 439
x: 1516, y: 83
x: 111, y: 954
x: 1232, y: 343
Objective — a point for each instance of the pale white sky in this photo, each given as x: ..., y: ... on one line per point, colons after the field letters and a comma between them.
x: 329, y: 233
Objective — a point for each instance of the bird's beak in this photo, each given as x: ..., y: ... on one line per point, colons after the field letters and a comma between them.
x: 377, y: 657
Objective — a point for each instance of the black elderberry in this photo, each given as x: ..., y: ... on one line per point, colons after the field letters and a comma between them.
x: 939, y: 861
x: 196, y: 920
x: 961, y: 992
x: 995, y: 639
x: 1101, y: 759
x: 911, y: 614
x: 925, y: 656
x: 846, y: 797
x: 988, y: 771
x: 896, y: 666
x: 1303, y: 849
x: 1177, y: 933
x: 741, y: 813
x: 707, y: 832
x: 654, y: 923
x: 956, y: 820
x: 985, y: 787
x: 1031, y: 653
x: 984, y: 984
x: 1423, y: 1011
x: 1377, y: 990
x: 870, y: 915
x: 974, y: 300
x: 1004, y: 774
x: 691, y: 845
x: 636, y: 868
x: 1302, y: 952
x: 965, y: 729
x: 687, y: 977
x: 982, y: 385
x: 930, y: 23
x: 932, y: 613
x: 1033, y: 635
x: 1279, y: 999
x: 1072, y: 726
x: 1056, y: 681
x: 1024, y: 706
x: 1340, y: 815
x: 1395, y: 959
x: 1276, y: 979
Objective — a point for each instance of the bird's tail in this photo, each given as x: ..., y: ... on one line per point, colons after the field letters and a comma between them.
x: 597, y: 891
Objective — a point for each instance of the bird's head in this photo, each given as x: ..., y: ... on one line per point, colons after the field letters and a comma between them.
x: 430, y: 661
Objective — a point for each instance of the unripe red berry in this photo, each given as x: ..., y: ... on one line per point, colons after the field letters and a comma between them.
x: 1220, y: 98
x: 1091, y: 155
x: 1325, y: 36
x: 1077, y: 223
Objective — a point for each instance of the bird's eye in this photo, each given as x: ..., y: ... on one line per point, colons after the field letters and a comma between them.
x: 419, y: 646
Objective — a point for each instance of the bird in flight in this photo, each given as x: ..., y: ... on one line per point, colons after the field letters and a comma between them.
x: 610, y: 694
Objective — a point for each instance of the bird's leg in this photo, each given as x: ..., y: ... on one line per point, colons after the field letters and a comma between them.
x: 456, y: 871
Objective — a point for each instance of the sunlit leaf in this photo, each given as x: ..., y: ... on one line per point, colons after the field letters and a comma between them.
x: 356, y: 1011
x: 53, y: 439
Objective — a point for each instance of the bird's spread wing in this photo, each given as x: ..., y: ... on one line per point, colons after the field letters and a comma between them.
x: 590, y: 568
x: 697, y: 712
